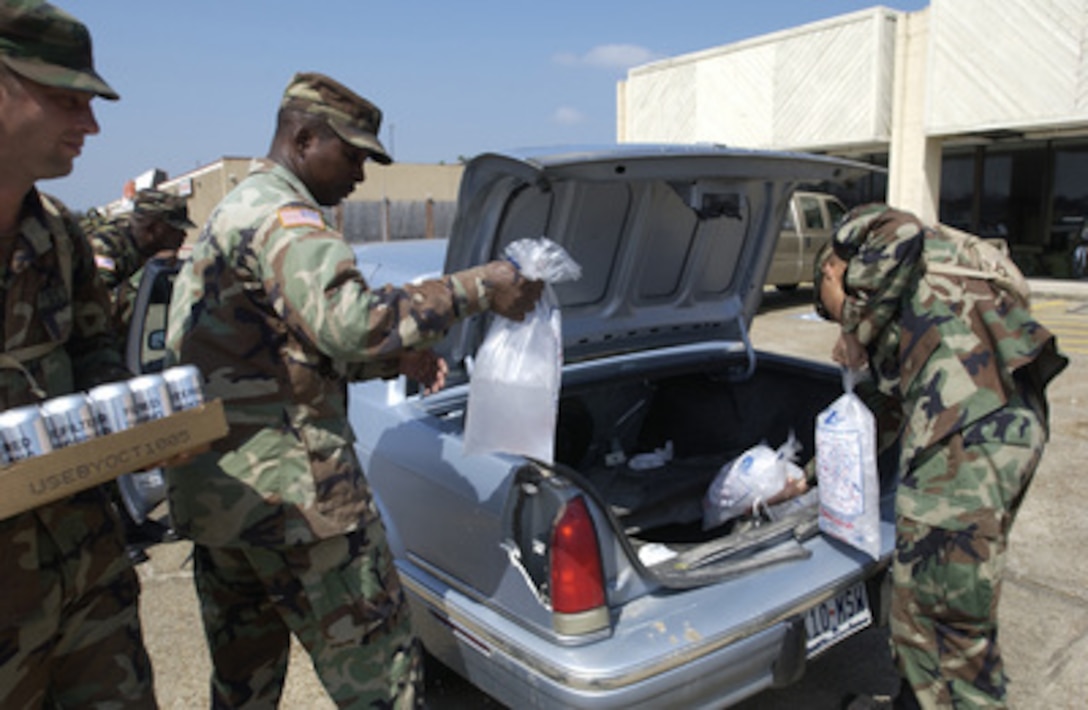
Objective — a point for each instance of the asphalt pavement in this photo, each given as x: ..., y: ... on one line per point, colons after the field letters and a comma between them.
x: 1043, y: 612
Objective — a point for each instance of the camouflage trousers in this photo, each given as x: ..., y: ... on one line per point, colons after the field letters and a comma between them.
x: 947, y: 578
x: 340, y: 597
x: 70, y: 632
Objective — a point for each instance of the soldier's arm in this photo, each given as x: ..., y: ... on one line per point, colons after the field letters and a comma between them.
x: 887, y: 411
x: 92, y: 345
x: 384, y: 369
x: 116, y: 255
x: 313, y: 283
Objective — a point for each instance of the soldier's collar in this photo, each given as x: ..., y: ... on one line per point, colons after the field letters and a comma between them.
x: 274, y: 168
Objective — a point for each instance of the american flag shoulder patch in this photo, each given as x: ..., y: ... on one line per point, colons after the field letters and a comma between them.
x: 299, y: 217
x: 104, y: 262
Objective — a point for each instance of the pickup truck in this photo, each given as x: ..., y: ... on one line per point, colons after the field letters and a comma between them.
x: 810, y: 220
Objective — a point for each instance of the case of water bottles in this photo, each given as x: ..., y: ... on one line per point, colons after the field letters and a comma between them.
x: 67, y: 444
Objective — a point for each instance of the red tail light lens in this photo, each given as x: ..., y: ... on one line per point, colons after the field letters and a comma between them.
x: 577, y: 582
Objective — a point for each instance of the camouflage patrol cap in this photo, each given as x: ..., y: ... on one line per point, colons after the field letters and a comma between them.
x: 166, y: 206
x: 854, y: 228
x: 352, y: 117
x: 846, y: 241
x: 49, y: 46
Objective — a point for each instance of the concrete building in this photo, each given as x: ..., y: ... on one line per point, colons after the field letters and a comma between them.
x: 978, y: 109
x: 398, y: 201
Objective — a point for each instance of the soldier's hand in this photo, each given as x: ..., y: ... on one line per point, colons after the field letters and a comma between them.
x: 849, y: 352
x: 794, y: 487
x: 182, y: 458
x: 511, y: 294
x: 426, y: 368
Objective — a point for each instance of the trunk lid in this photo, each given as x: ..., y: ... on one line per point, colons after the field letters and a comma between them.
x: 674, y: 241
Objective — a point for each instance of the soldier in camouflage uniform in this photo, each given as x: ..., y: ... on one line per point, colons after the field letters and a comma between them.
x: 124, y: 243
x: 69, y: 624
x: 272, y: 309
x: 959, y: 369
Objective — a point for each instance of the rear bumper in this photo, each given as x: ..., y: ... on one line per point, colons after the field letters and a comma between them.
x: 670, y: 669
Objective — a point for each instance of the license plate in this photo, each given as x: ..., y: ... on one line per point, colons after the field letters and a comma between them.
x: 831, y: 621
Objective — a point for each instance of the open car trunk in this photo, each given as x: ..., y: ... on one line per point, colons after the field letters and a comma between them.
x: 673, y: 243
x: 706, y: 415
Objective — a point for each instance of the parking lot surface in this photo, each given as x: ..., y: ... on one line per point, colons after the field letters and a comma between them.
x: 1043, y: 612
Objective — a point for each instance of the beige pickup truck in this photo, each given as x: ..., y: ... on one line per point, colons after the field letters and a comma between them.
x: 808, y: 226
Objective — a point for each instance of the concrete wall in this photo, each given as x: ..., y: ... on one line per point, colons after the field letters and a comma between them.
x: 402, y: 200
x: 1006, y: 64
x: 206, y: 185
x: 914, y: 159
x: 960, y: 72
x: 827, y: 83
x: 409, y: 181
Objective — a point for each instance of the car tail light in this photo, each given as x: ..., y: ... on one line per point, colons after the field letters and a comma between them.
x: 577, y: 580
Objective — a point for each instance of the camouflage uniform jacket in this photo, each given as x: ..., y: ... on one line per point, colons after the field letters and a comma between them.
x: 949, y: 351
x: 39, y: 309
x: 115, y: 251
x: 271, y: 308
x: 119, y: 263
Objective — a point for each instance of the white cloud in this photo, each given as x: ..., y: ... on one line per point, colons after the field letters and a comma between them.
x: 567, y: 116
x: 618, y: 56
x: 609, y: 56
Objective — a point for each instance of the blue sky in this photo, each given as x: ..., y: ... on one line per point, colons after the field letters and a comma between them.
x: 201, y: 79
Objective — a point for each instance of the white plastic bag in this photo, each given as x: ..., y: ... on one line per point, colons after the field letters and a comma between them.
x: 846, y: 471
x: 513, y: 396
x: 750, y: 480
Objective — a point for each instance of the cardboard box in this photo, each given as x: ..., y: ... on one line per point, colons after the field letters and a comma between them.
x: 39, y: 480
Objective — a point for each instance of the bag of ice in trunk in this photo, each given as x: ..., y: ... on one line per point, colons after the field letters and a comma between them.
x: 513, y: 395
x: 750, y: 480
x: 846, y: 471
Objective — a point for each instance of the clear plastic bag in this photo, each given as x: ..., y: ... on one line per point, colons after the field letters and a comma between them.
x: 514, y: 391
x: 748, y: 481
x: 846, y: 471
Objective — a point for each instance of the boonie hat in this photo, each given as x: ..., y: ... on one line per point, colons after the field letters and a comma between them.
x: 166, y: 206
x: 352, y: 117
x: 49, y: 46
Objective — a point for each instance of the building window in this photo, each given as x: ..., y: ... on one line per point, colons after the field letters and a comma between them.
x: 1069, y: 208
x: 871, y: 187
x: 958, y: 190
x: 1012, y: 194
x: 994, y: 207
x: 1031, y: 194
